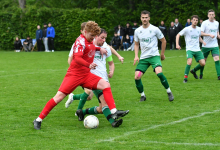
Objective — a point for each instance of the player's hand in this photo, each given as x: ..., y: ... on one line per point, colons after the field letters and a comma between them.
x: 135, y: 60
x: 110, y: 74
x: 121, y: 59
x: 162, y: 57
x: 212, y: 36
x: 93, y: 66
x: 204, y: 43
x: 103, y: 51
x: 178, y: 46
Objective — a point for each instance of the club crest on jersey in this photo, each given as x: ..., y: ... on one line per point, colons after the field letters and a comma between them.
x: 150, y: 31
x: 91, y: 53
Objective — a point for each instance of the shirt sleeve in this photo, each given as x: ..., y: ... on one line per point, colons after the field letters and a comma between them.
x: 79, y: 47
x: 159, y: 34
x: 136, y: 36
x: 182, y: 32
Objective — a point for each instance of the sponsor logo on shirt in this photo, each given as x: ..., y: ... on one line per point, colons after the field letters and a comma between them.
x: 194, y: 37
x: 146, y: 40
x: 213, y: 30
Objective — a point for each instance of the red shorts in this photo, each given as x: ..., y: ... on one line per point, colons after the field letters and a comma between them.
x: 71, y: 81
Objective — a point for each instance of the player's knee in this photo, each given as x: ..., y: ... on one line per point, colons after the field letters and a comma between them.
x: 99, y: 110
x: 138, y: 75
x: 202, y: 64
x: 216, y: 58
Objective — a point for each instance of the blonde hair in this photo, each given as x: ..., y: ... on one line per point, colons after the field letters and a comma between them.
x: 93, y: 27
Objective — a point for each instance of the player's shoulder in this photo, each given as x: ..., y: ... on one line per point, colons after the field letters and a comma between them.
x: 138, y: 29
x: 216, y: 22
x: 154, y: 28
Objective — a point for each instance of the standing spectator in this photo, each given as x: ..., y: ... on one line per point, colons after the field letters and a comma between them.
x: 119, y: 30
x: 128, y: 30
x: 17, y: 45
x: 179, y: 27
x: 126, y: 42
x: 200, y: 22
x: 50, y: 36
x: 45, y: 40
x: 27, y: 44
x: 134, y: 27
x: 116, y: 41
x: 163, y: 29
x: 39, y: 35
x: 172, y: 35
x: 188, y: 23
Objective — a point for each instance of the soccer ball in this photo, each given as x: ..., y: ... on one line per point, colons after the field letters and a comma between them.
x: 91, y: 122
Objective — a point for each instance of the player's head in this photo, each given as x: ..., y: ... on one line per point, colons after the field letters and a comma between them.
x: 162, y: 22
x: 211, y: 14
x: 172, y: 24
x: 83, y: 27
x: 91, y: 30
x: 176, y: 20
x: 145, y: 17
x: 194, y: 20
x: 100, y: 39
x: 38, y: 26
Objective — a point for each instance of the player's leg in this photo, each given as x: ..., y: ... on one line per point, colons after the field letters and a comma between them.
x: 139, y: 71
x: 205, y: 52
x: 187, y: 69
x: 199, y: 58
x: 215, y: 55
x: 157, y: 66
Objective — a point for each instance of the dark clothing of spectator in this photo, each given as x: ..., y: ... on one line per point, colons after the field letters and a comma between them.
x: 187, y: 24
x: 17, y: 45
x: 45, y: 32
x: 126, y: 42
x: 128, y: 30
x: 179, y: 27
x: 133, y: 29
x: 28, y: 46
x: 163, y: 29
x: 29, y: 41
x: 120, y: 31
x: 116, y: 42
x: 172, y: 36
x: 39, y: 36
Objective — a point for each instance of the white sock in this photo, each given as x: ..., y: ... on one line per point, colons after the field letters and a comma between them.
x: 142, y: 94
x: 39, y: 119
x: 113, y: 110
x: 168, y: 90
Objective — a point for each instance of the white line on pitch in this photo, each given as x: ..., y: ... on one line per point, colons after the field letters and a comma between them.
x: 157, y: 126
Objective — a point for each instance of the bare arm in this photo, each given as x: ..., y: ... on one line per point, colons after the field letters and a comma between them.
x: 136, y: 49
x: 204, y: 34
x: 111, y: 69
x: 218, y: 35
x: 164, y: 43
x: 121, y: 59
x: 177, y: 41
x: 70, y: 59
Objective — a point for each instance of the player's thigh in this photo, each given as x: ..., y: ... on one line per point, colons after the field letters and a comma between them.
x: 59, y: 97
x: 98, y: 94
x: 141, y: 68
x: 206, y: 52
x: 102, y: 84
x: 91, y: 81
x: 156, y: 64
x: 215, y: 53
x: 199, y: 57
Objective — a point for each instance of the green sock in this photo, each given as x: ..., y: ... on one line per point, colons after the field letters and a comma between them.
x: 91, y: 110
x: 187, y: 71
x: 82, y: 101
x: 139, y: 86
x: 197, y: 67
x: 77, y: 96
x: 217, y: 67
x: 163, y: 80
x: 106, y: 111
x: 201, y: 70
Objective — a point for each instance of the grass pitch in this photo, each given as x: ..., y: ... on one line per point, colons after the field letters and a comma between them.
x: 190, y: 122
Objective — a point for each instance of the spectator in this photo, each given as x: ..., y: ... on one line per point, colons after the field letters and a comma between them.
x: 17, y: 45
x: 39, y: 36
x: 116, y: 41
x: 128, y: 30
x: 27, y: 44
x: 134, y: 27
x: 50, y: 36
x: 179, y: 27
x: 119, y: 30
x: 126, y: 42
x: 188, y: 23
x: 200, y: 22
x: 45, y: 40
x: 163, y: 29
x: 172, y: 35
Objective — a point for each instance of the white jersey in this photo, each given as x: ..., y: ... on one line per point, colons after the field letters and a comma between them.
x: 210, y: 28
x: 148, y: 39
x: 101, y: 69
x: 192, y: 36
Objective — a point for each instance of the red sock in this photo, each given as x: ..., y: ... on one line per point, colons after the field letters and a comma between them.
x: 109, y: 98
x: 48, y: 107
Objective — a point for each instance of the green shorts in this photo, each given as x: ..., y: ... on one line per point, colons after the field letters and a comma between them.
x: 214, y: 51
x: 144, y: 64
x: 98, y: 93
x: 197, y: 55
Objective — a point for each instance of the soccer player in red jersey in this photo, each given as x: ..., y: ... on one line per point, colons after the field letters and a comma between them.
x: 79, y: 74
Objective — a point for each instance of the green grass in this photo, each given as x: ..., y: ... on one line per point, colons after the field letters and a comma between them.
x: 190, y: 122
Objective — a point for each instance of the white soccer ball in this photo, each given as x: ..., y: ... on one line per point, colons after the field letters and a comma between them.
x: 91, y: 122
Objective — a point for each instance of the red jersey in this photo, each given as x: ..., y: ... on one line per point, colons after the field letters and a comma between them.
x: 84, y: 49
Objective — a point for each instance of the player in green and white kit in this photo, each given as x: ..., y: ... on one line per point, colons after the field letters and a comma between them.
x: 147, y: 35
x: 210, y: 31
x: 192, y: 37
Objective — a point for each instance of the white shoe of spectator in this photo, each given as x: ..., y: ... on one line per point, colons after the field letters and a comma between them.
x: 129, y: 49
x: 52, y: 50
x: 124, y: 49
